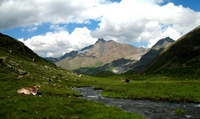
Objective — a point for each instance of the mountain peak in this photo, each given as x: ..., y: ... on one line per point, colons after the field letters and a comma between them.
x: 100, y: 40
x: 167, y: 39
x: 102, y: 56
x: 163, y: 43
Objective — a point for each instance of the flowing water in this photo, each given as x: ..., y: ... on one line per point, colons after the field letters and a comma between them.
x: 148, y: 109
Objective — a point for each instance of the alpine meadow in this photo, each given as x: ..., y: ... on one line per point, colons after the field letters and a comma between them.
x: 167, y: 78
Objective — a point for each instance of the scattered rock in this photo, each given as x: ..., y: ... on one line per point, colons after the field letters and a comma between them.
x: 47, y: 67
x: 54, y: 77
x: 45, y: 83
x: 19, y: 77
x: 23, y: 72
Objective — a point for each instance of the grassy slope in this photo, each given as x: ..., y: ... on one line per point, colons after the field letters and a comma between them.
x: 58, y: 100
x: 181, y: 58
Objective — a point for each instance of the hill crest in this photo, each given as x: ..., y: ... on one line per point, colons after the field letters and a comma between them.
x: 184, y: 54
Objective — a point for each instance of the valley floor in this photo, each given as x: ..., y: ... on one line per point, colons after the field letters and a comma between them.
x: 149, y: 109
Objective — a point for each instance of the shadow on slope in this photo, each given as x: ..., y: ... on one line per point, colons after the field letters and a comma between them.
x: 181, y: 57
x: 105, y: 68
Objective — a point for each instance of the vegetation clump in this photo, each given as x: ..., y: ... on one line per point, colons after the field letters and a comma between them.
x: 179, y: 111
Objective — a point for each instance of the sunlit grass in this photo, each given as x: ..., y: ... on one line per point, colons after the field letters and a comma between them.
x: 152, y: 88
x: 58, y: 100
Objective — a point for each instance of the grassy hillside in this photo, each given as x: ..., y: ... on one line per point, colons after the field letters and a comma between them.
x: 58, y: 100
x: 151, y: 54
x: 181, y: 58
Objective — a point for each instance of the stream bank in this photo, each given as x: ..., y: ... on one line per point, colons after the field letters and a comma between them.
x: 148, y: 109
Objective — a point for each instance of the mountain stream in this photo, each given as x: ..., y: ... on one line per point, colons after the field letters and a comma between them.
x: 148, y: 109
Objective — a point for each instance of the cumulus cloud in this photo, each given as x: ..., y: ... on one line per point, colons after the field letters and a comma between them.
x: 17, y: 13
x: 127, y: 21
x: 144, y: 20
x: 55, y: 44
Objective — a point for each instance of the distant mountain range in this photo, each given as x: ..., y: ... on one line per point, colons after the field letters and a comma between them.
x: 110, y: 56
x: 71, y: 54
x: 102, y: 56
x: 166, y: 57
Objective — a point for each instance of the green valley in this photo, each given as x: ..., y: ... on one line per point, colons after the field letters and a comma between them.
x: 176, y: 81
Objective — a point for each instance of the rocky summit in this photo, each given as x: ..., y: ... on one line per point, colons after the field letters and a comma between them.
x: 100, y: 55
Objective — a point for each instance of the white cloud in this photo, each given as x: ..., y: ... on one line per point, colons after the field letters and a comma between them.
x: 55, y: 44
x: 17, y: 13
x: 127, y: 21
x: 56, y: 27
x: 21, y: 39
x: 31, y: 29
x: 145, y: 20
x: 168, y: 32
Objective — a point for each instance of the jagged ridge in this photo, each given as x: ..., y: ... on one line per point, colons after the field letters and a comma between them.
x: 102, y: 53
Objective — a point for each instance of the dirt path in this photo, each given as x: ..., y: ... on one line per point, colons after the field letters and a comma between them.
x: 150, y: 110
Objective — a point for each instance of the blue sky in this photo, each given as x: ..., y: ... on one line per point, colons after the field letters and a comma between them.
x: 192, y: 4
x: 51, y: 28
